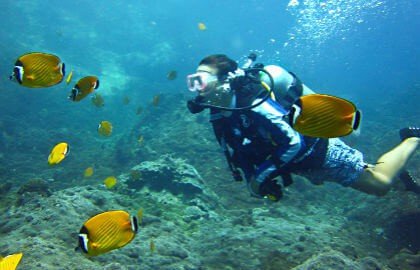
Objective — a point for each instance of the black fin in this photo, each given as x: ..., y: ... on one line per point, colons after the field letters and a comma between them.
x: 409, y: 182
x: 409, y: 132
x: 97, y: 84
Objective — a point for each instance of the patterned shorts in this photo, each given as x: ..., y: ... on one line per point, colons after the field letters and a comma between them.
x: 342, y: 165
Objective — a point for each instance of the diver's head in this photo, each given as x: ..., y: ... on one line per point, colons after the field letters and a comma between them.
x: 210, y: 80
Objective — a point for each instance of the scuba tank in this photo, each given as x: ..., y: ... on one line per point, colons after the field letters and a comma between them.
x: 287, y: 87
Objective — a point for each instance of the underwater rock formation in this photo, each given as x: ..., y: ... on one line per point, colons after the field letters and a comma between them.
x: 333, y: 260
x: 5, y: 187
x: 167, y: 173
x: 48, y: 226
x: 405, y: 260
x: 32, y: 188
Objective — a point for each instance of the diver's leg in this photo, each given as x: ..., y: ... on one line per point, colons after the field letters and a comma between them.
x: 377, y: 180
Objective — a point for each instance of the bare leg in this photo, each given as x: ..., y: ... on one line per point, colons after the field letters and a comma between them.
x: 378, y: 179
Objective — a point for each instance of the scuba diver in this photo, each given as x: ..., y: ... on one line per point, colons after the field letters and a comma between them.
x: 253, y: 112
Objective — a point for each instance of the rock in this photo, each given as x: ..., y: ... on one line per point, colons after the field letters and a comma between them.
x: 32, y: 189
x: 166, y: 173
x: 369, y: 263
x: 172, y: 250
x: 5, y: 187
x: 115, y: 266
x: 35, y: 186
x: 331, y: 260
x: 405, y: 259
x: 194, y: 213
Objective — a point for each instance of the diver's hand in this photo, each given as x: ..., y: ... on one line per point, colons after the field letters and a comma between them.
x: 194, y: 105
x: 268, y: 189
x: 236, y: 174
x: 271, y: 189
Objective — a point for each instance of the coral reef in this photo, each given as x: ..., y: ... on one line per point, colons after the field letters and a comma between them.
x: 334, y: 260
x: 166, y: 173
x: 197, y: 216
x: 31, y: 189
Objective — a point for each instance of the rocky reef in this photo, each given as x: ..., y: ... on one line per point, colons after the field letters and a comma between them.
x: 197, y: 216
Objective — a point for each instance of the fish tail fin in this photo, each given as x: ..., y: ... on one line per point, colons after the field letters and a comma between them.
x: 357, y: 123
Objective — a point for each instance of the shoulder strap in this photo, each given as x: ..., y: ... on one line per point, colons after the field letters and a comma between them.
x: 220, y: 136
x: 293, y: 93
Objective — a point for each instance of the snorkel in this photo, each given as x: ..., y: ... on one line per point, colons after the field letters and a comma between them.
x: 249, y: 72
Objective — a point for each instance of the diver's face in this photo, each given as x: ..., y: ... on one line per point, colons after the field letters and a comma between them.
x: 215, y: 92
x: 209, y: 77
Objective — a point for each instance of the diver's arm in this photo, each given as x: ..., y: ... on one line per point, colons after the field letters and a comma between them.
x: 289, y: 141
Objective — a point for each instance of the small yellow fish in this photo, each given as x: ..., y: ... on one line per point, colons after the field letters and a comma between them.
x: 126, y: 100
x: 84, y: 87
x: 152, y: 246
x: 98, y: 100
x: 107, y: 231
x: 110, y: 182
x: 69, y: 77
x: 202, y: 26
x: 58, y: 153
x: 88, y: 172
x: 10, y: 262
x: 172, y: 75
x: 36, y: 70
x: 140, y: 215
x: 105, y: 128
x: 139, y: 110
x: 156, y: 100
x: 140, y: 140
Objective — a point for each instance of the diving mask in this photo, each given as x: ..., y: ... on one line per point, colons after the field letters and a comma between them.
x: 199, y: 81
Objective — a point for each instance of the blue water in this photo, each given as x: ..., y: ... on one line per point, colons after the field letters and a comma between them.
x: 366, y: 51
x: 360, y: 47
x: 368, y: 40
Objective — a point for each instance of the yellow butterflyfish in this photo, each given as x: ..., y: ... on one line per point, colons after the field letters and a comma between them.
x: 107, y: 231
x: 10, y: 262
x: 110, y: 182
x: 58, y: 153
x: 37, y: 70
x: 88, y: 172
x: 105, y: 128
x: 202, y: 26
